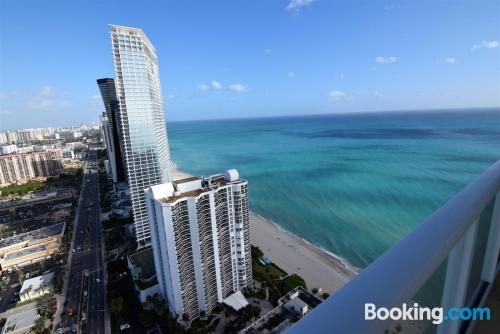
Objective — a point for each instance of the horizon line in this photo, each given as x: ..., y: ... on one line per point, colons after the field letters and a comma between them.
x: 451, y: 109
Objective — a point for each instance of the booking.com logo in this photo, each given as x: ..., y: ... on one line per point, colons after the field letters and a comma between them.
x: 416, y: 312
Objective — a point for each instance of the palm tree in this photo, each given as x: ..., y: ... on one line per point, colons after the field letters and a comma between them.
x: 26, y: 293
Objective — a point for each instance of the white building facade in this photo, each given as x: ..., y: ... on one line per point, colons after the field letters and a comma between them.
x: 142, y: 120
x: 200, y: 232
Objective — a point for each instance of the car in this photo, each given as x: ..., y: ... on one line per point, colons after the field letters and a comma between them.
x: 124, y: 326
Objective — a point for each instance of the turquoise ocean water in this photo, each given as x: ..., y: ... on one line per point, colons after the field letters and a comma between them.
x: 353, y: 184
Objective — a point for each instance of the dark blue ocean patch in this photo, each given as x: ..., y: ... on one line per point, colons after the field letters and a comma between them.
x: 383, y: 133
x: 478, y: 131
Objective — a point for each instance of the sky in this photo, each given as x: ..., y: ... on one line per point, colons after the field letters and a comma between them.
x: 234, y: 59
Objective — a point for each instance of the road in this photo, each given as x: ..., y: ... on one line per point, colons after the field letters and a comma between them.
x: 84, y: 307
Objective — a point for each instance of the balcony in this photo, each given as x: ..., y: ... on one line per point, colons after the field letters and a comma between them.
x: 455, y: 250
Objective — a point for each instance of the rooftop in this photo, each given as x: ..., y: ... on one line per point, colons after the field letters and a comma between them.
x: 36, y: 282
x: 53, y: 230
x: 236, y: 301
x: 194, y: 186
x: 193, y: 193
x: 21, y: 322
x: 188, y: 179
x: 131, y: 30
x: 144, y: 260
x: 24, y: 252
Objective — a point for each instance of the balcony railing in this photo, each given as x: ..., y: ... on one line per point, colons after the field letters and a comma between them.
x: 397, y: 276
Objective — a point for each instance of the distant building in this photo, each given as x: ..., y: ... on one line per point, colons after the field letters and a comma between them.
x: 31, y: 247
x: 8, y: 149
x: 19, y: 168
x: 111, y: 128
x: 25, y: 135
x: 35, y: 287
x: 142, y: 119
x: 201, y: 241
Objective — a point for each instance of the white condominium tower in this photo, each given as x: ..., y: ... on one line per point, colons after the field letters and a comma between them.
x: 142, y: 119
x: 201, y: 241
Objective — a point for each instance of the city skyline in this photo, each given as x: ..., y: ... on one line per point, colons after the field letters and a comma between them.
x: 219, y: 64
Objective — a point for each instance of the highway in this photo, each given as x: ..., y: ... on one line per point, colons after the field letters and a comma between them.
x: 84, y: 307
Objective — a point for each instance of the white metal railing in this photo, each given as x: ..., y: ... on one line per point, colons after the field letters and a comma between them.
x: 396, y: 276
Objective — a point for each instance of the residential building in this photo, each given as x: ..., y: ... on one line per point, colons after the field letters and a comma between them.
x: 111, y: 129
x: 8, y: 149
x: 18, y: 168
x: 201, y: 241
x: 25, y: 135
x: 142, y: 120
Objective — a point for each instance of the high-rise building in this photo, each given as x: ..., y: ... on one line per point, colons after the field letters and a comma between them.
x: 142, y: 120
x: 201, y: 241
x: 111, y: 129
x: 18, y: 168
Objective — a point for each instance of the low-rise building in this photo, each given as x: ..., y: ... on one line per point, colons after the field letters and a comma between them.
x: 27, y: 248
x: 142, y: 266
x: 21, y: 322
x: 35, y: 287
x: 291, y: 307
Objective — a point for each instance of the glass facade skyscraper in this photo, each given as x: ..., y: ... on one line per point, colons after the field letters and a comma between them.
x: 111, y: 123
x: 142, y: 119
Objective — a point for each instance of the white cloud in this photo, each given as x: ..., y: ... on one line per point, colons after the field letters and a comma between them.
x: 170, y: 97
x: 216, y: 85
x: 298, y: 4
x: 451, y: 60
x: 291, y: 75
x: 486, y: 44
x: 202, y: 87
x: 4, y: 95
x: 337, y: 95
x: 267, y: 51
x: 96, y: 97
x: 46, y: 98
x: 237, y: 87
x: 386, y: 60
x: 46, y: 91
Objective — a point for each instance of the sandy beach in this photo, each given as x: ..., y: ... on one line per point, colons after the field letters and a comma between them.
x: 294, y: 255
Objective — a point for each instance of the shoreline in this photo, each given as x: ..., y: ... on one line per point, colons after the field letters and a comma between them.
x: 318, y: 267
